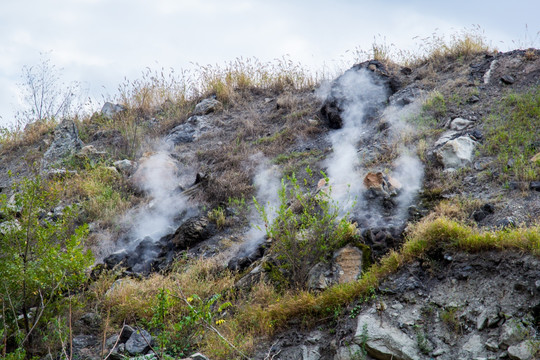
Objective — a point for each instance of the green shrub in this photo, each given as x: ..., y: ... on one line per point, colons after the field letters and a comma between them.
x: 41, y: 257
x: 304, y: 233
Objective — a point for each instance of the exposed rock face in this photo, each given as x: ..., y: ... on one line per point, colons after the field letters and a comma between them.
x: 125, y: 166
x: 521, y: 351
x: 456, y: 153
x: 66, y: 142
x: 338, y: 99
x: 207, y: 106
x: 459, y: 124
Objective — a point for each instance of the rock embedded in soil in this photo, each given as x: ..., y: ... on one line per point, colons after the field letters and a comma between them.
x: 139, y: 342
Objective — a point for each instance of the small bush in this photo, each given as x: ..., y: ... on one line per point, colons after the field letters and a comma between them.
x: 304, y: 233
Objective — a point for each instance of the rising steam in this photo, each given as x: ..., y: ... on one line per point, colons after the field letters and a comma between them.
x: 362, y: 97
x: 159, y: 176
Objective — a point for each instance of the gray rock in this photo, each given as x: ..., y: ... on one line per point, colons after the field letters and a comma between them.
x: 492, y: 345
x: 512, y: 332
x: 320, y: 277
x: 508, y: 79
x: 111, y: 340
x: 383, y: 341
x: 197, y: 356
x: 83, y: 341
x: 405, y: 96
x: 459, y: 124
x: 139, y: 342
x: 125, y: 166
x: 521, y: 351
x: 187, y: 132
x: 66, y: 142
x: 351, y: 352
x: 456, y: 153
x: 207, y: 106
x: 128, y: 330
x: 109, y: 109
x: 447, y: 136
x: 474, y: 345
x: 534, y: 185
x: 90, y: 320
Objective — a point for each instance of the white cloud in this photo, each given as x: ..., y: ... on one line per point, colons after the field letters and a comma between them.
x: 99, y: 42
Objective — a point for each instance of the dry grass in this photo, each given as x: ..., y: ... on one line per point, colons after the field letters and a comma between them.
x: 12, y: 139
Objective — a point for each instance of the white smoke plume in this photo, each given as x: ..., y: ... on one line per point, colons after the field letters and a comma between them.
x: 267, y: 185
x: 344, y: 164
x: 345, y: 169
x: 159, y: 176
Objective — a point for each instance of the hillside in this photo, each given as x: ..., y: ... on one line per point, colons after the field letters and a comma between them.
x: 389, y: 213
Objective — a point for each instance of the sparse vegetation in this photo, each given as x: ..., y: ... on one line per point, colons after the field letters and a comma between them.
x: 512, y: 136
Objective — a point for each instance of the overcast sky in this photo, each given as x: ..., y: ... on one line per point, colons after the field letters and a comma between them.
x: 99, y: 42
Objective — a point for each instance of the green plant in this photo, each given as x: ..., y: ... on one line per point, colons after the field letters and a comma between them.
x: 421, y: 341
x: 450, y: 316
x: 217, y: 215
x: 42, y: 257
x: 435, y: 105
x: 304, y: 233
x: 364, y: 337
x: 511, y: 135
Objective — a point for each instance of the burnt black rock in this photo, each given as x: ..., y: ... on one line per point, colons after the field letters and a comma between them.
x: 534, y: 185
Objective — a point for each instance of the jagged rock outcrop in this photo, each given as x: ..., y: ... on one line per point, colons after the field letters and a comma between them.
x: 66, y: 142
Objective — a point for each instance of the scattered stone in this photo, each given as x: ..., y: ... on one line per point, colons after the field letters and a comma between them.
x: 109, y: 109
x: 112, y: 340
x: 207, y: 106
x: 139, y: 342
x: 534, y: 185
x: 508, y: 79
x: 521, y: 351
x: 66, y: 142
x: 460, y: 124
x: 383, y: 340
x: 456, y: 153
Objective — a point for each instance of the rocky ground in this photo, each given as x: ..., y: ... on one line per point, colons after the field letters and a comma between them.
x: 446, y: 305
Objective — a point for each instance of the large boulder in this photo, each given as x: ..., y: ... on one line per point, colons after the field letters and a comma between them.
x: 139, y: 342
x: 66, y: 142
x: 384, y: 341
x: 207, y: 106
x: 192, y: 232
x: 456, y: 153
